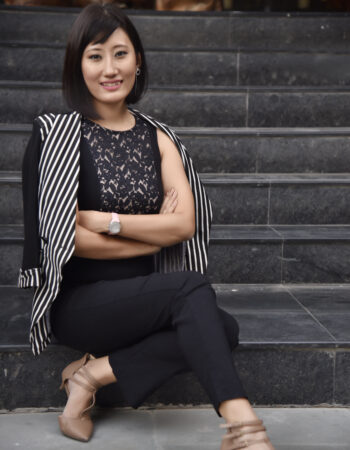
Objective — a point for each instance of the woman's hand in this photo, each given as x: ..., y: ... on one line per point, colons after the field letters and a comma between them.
x: 96, y: 221
x: 169, y: 203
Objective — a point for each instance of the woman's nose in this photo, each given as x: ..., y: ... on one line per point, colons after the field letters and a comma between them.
x: 110, y: 66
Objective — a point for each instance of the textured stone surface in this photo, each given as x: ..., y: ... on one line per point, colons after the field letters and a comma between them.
x: 234, y: 204
x: 196, y: 108
x: 24, y: 103
x: 282, y: 152
x: 247, y: 254
x: 11, y: 210
x: 316, y: 262
x: 342, y: 375
x: 165, y: 68
x: 315, y: 233
x: 12, y: 145
x: 302, y: 154
x: 43, y: 27
x: 22, y: 376
x: 31, y: 63
x: 213, y: 108
x: 293, y: 69
x: 321, y: 299
x: 187, y: 107
x: 237, y: 298
x: 227, y: 30
x: 330, y: 306
x: 309, y: 204
x: 216, y: 153
x: 179, y: 428
x: 290, y: 32
x: 281, y: 326
x: 299, y: 109
x: 10, y: 261
x: 245, y: 263
x: 192, y: 68
x: 271, y: 314
x: 240, y: 200
x: 15, y: 319
x: 195, y: 67
x: 300, y: 368
x: 156, y: 30
x: 171, y: 30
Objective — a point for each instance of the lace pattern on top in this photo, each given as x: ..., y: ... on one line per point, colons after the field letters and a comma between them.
x: 125, y: 163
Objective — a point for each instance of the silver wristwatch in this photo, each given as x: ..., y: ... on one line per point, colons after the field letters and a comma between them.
x: 114, y: 225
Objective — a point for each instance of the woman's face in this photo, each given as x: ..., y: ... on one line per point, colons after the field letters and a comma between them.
x: 109, y: 68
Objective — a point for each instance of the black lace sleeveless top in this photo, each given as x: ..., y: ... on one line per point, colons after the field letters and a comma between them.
x: 120, y: 172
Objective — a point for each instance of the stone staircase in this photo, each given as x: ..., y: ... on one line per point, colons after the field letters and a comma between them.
x: 262, y: 102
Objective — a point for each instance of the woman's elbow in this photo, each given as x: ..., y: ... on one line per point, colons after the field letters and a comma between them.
x: 188, y: 230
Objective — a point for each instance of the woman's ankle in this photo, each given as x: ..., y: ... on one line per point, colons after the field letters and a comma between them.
x: 237, y: 410
x: 101, y: 370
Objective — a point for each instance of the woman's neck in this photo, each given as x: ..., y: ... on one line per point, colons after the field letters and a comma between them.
x: 114, y: 116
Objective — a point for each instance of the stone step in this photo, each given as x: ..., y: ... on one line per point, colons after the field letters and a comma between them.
x: 44, y: 62
x: 244, y: 254
x: 177, y: 427
x: 296, y: 334
x: 242, y: 198
x: 199, y: 106
x: 229, y: 30
x: 233, y: 150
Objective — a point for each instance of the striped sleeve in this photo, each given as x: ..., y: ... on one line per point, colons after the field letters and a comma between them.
x: 192, y: 254
x: 29, y: 278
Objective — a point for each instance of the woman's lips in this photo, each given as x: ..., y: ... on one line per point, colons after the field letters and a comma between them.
x: 111, y: 85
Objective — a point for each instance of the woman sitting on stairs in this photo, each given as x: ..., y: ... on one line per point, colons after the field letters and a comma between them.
x: 116, y: 235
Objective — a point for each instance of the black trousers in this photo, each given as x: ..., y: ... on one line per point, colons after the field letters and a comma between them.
x: 152, y: 327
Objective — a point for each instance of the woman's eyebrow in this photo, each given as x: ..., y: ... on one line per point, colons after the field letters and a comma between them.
x: 96, y: 47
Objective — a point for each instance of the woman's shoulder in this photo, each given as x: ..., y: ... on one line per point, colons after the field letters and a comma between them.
x: 49, y: 118
x: 153, y: 121
x: 44, y: 122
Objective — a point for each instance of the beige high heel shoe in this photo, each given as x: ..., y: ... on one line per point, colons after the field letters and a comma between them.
x: 79, y: 428
x: 234, y: 439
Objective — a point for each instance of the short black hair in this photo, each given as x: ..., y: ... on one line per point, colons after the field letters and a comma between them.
x: 96, y: 23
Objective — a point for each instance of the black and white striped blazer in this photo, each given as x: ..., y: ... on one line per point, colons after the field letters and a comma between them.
x: 50, y: 177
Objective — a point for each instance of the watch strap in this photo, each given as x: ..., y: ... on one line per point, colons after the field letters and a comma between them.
x: 115, y: 217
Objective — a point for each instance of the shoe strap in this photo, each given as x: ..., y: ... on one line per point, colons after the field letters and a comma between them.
x: 238, y: 434
x: 93, y: 384
x: 247, y: 423
x: 246, y: 444
x: 91, y: 379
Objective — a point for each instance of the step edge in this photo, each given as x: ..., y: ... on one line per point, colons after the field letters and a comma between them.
x: 223, y: 131
x: 260, y: 179
x: 274, y: 233
x: 195, y: 89
x: 12, y: 43
x: 153, y: 13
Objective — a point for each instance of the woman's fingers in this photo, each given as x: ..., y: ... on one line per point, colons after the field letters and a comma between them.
x: 169, y: 202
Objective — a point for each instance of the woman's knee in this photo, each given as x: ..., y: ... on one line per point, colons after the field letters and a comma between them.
x: 195, y: 281
x: 231, y: 328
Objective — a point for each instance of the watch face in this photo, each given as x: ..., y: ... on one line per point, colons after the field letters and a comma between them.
x: 114, y: 227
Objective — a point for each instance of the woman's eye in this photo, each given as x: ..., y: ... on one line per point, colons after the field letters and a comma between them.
x: 94, y: 57
x: 121, y: 53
